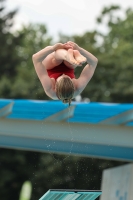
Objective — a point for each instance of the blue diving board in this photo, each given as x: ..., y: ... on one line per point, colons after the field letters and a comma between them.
x: 71, y: 195
x: 103, y: 130
x: 92, y: 113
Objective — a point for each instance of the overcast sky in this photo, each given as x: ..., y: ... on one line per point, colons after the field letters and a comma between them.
x: 65, y: 16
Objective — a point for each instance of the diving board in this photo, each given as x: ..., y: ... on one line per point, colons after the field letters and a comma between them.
x: 100, y: 130
x: 70, y: 195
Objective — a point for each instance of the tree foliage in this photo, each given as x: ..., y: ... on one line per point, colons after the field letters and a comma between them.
x: 36, y: 38
x: 115, y: 59
x: 8, y: 44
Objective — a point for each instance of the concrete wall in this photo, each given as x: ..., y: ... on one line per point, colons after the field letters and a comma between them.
x: 117, y: 183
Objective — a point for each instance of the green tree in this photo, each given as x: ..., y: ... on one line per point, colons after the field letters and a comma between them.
x: 26, y: 83
x: 8, y: 43
x: 115, y: 58
x: 9, y: 59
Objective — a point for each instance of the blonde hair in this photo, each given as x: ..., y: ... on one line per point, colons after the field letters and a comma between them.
x: 65, y: 90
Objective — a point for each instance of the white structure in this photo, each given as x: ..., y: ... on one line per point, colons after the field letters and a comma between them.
x: 117, y: 183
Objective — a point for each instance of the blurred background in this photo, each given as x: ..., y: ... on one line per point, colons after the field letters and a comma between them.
x: 104, y: 28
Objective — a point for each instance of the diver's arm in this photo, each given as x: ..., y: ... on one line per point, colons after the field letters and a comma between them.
x: 91, y: 59
x: 85, y: 77
x: 42, y: 54
x: 41, y: 71
x: 87, y: 71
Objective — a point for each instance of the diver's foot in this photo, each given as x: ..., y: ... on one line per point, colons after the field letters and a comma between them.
x: 70, y: 58
x: 79, y: 58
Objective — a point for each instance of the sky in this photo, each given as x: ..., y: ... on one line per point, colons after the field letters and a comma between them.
x: 68, y: 17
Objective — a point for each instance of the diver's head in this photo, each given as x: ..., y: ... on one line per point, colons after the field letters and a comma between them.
x: 64, y: 88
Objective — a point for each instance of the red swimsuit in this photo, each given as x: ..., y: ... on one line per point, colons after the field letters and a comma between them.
x: 59, y: 70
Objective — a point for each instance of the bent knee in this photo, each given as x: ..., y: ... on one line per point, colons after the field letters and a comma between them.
x: 50, y: 62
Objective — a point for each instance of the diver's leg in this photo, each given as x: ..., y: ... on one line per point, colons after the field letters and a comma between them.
x: 66, y: 56
x: 56, y: 58
x: 50, y: 62
x: 77, y: 56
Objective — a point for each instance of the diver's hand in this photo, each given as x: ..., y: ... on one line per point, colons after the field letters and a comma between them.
x: 73, y: 45
x: 62, y: 46
x: 58, y: 46
x: 68, y: 46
